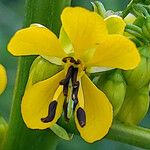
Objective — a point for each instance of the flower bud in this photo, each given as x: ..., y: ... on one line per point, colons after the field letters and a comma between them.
x: 42, y: 69
x: 147, y: 22
x: 135, y: 105
x: 146, y: 33
x: 140, y: 10
x: 130, y: 18
x: 140, y: 76
x: 114, y: 86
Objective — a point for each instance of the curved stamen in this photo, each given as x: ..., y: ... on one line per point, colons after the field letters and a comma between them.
x: 81, y: 117
x: 68, y: 76
x: 51, y: 112
x: 65, y: 82
x: 65, y: 107
x: 74, y: 78
x: 75, y: 95
x: 71, y: 59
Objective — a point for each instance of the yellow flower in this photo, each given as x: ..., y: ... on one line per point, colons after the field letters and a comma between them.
x: 84, y: 42
x: 3, y: 79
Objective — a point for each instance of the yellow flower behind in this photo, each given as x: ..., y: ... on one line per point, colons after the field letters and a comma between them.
x: 3, y: 79
x: 85, y: 41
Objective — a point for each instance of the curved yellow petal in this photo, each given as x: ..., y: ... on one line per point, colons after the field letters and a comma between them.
x: 116, y: 51
x: 81, y: 96
x: 84, y: 28
x: 65, y: 42
x: 35, y: 40
x: 36, y: 100
x: 115, y: 24
x: 3, y: 79
x: 98, y: 112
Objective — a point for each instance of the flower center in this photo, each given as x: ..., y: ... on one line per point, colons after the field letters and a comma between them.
x: 74, y: 71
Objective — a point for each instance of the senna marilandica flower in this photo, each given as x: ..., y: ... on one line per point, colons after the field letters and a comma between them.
x: 84, y: 42
x: 3, y: 79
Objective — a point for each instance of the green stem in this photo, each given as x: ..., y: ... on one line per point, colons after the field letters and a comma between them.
x: 127, y: 10
x: 19, y: 137
x: 125, y: 133
x: 130, y: 134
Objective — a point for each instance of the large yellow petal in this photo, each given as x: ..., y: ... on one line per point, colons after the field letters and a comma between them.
x: 116, y: 51
x: 84, y: 28
x: 35, y: 40
x: 115, y: 24
x: 3, y: 79
x: 98, y: 112
x: 36, y: 101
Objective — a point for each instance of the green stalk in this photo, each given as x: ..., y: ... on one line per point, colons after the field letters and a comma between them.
x: 19, y: 137
x: 127, y: 9
x: 130, y: 134
x: 124, y: 133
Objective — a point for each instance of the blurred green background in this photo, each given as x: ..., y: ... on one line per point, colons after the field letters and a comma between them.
x: 11, y: 19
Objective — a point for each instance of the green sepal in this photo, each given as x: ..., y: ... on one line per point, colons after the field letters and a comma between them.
x: 135, y: 105
x: 140, y: 76
x: 99, y: 8
x: 42, y: 69
x: 61, y: 132
x: 113, y: 85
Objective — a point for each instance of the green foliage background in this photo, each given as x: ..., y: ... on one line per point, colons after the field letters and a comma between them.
x: 11, y: 19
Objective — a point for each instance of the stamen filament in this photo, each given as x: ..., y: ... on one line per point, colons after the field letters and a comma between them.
x: 58, y: 92
x: 74, y: 77
x: 65, y: 106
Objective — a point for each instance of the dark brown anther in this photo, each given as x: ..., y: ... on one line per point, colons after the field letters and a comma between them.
x: 81, y: 117
x: 77, y: 62
x: 74, y: 78
x: 65, y: 107
x: 75, y: 102
x: 65, y: 89
x: 75, y: 95
x: 68, y: 76
x: 72, y: 60
x: 51, y: 112
x: 65, y: 59
x: 75, y: 91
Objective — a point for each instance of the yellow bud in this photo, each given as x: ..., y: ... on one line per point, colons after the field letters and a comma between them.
x: 135, y: 105
x: 130, y: 18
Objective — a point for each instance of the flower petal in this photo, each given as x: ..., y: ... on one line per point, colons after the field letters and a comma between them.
x: 130, y: 18
x: 116, y: 51
x: 36, y: 100
x: 65, y: 42
x: 98, y: 112
x: 115, y: 24
x: 84, y: 28
x: 35, y: 40
x: 3, y: 79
